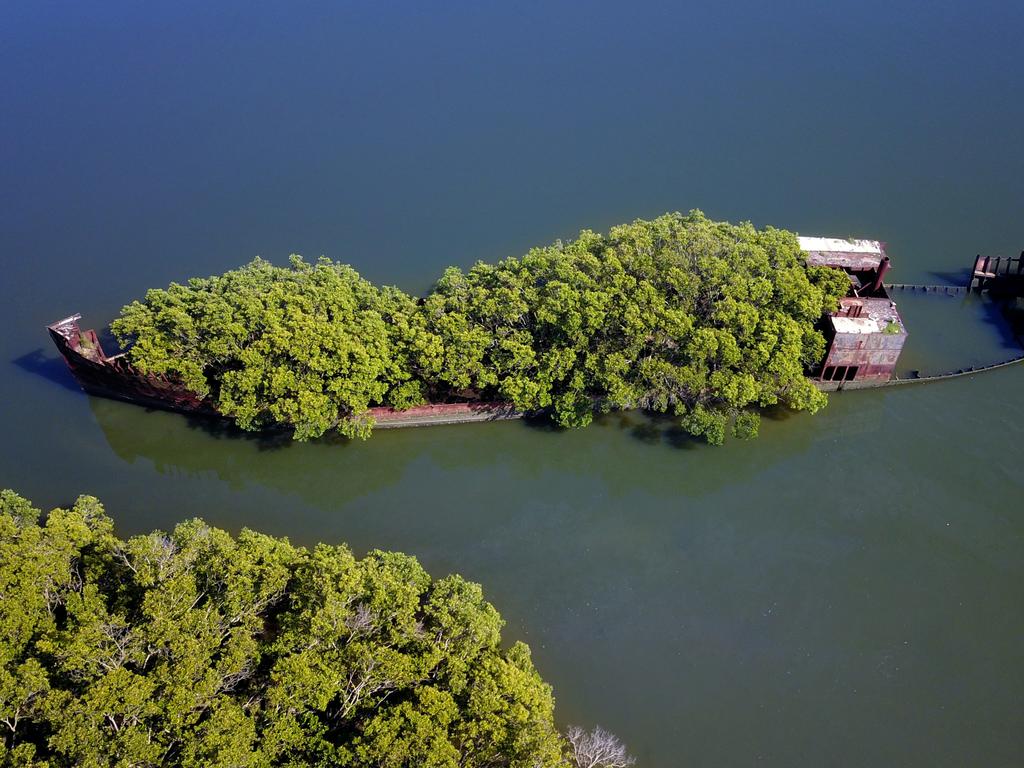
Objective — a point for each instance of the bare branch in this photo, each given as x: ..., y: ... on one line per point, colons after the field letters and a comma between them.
x: 597, y: 749
x: 361, y: 620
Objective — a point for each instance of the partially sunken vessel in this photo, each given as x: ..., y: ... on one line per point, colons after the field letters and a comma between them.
x: 865, y: 336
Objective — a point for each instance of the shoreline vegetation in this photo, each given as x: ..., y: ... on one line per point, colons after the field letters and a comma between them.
x: 708, y: 321
x: 198, y: 648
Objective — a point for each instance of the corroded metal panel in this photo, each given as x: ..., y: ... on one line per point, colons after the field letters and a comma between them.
x: 115, y: 377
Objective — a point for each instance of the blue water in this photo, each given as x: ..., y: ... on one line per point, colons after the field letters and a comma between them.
x: 844, y: 591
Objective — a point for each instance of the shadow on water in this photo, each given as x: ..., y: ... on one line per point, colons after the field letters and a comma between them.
x: 53, y: 369
x: 225, y: 429
x: 541, y: 423
x: 659, y: 429
x: 649, y: 428
x: 954, y: 278
x: 665, y: 429
x: 108, y: 341
x: 1006, y: 317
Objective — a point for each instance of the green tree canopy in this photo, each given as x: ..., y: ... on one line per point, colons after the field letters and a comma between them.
x: 196, y: 648
x: 707, y: 320
x: 311, y: 345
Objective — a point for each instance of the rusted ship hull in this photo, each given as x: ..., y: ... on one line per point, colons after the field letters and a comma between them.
x: 115, y: 377
x: 865, y: 337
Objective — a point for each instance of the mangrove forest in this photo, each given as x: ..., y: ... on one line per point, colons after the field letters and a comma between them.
x: 708, y: 321
x: 197, y: 648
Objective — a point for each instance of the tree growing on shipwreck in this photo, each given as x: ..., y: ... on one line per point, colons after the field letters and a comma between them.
x: 709, y: 321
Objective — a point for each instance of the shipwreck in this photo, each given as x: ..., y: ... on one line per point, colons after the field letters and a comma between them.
x: 865, y: 336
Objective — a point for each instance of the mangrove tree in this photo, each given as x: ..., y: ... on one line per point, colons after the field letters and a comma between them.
x: 708, y: 321
x: 196, y: 648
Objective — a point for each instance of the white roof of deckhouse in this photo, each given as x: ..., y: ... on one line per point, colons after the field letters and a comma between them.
x: 857, y: 325
x: 874, y: 316
x: 845, y: 254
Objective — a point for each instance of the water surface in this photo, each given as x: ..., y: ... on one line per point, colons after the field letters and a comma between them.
x: 846, y: 590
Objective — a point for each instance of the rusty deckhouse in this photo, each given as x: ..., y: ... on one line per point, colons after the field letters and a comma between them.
x: 866, y: 334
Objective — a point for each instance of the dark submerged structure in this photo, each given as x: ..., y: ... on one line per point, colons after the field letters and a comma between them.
x: 865, y: 337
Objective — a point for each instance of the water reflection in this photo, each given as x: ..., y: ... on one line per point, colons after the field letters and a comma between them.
x: 334, y: 471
